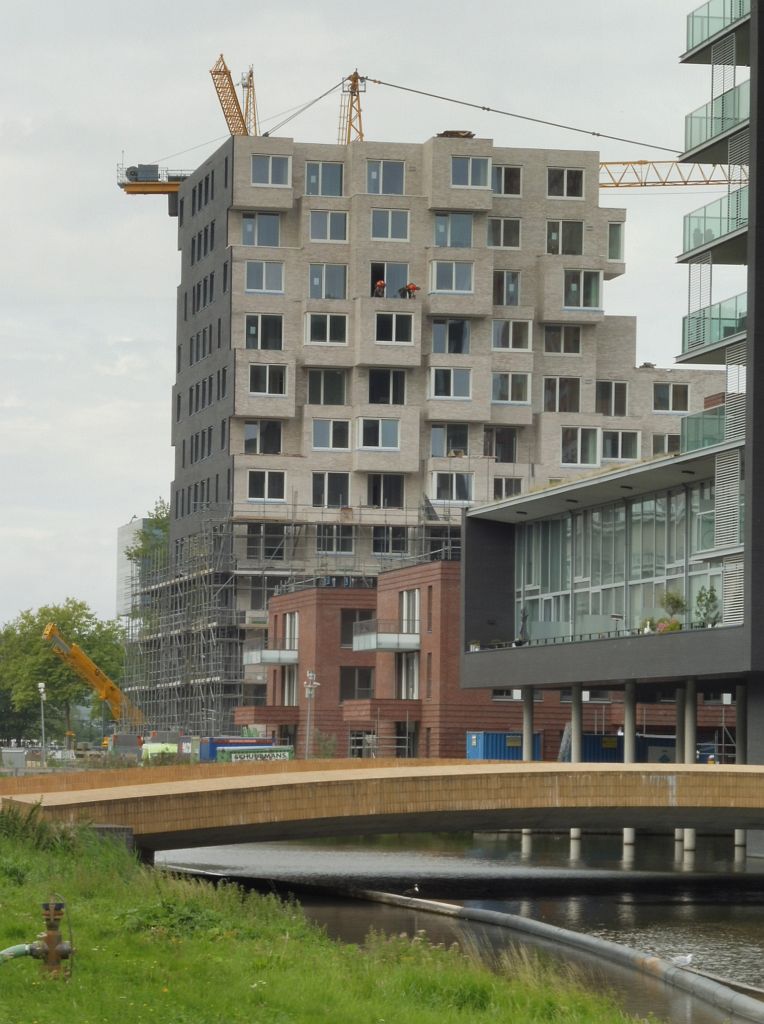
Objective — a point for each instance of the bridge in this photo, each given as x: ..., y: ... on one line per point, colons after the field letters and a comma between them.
x: 202, y: 805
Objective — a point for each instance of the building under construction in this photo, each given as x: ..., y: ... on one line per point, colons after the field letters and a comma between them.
x: 371, y: 338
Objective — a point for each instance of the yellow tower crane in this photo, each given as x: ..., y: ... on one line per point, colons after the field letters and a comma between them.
x: 351, y: 121
x: 240, y: 122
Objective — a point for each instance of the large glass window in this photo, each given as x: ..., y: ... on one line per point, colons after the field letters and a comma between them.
x: 328, y: 226
x: 451, y: 337
x: 327, y: 281
x: 582, y: 289
x: 393, y: 277
x: 565, y: 237
x: 453, y: 230
x: 326, y: 387
x: 348, y: 618
x: 671, y: 397
x: 450, y: 276
x: 503, y: 233
x: 564, y: 339
x: 579, y: 446
x: 378, y: 433
x: 450, y: 383
x: 511, y: 335
x: 392, y: 225
x: 384, y: 490
x: 500, y: 444
x: 389, y: 540
x: 331, y: 490
x: 329, y: 328
x: 270, y: 170
x: 620, y: 444
x: 262, y: 437
x: 356, y: 683
x: 565, y: 182
x: 666, y: 444
x: 507, y: 181
x: 452, y: 486
x: 615, y: 241
x: 260, y: 229
x: 470, y: 171
x: 266, y: 484
x: 264, y: 276
x: 610, y: 397
x: 506, y: 288
x: 331, y: 434
x: 449, y: 439
x: 264, y: 331
x: 267, y: 379
x: 395, y: 328
x: 385, y: 177
x: 323, y: 179
x: 562, y: 394
x: 387, y: 387
x: 510, y: 387
x: 334, y: 539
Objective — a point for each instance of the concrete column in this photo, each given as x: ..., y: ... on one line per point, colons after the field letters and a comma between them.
x: 576, y: 724
x: 629, y: 751
x: 741, y: 755
x: 527, y: 723
x: 690, y: 745
x: 679, y: 706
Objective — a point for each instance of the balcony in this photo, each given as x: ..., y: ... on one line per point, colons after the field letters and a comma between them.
x: 702, y: 429
x: 719, y: 227
x: 711, y: 19
x: 710, y: 329
x: 278, y: 651
x: 386, y: 635
x: 706, y: 129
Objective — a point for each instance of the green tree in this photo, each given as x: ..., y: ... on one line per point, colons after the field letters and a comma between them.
x: 152, y: 545
x: 26, y: 659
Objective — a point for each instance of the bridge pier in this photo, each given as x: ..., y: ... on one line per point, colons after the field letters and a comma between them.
x: 741, y: 757
x: 690, y: 745
x: 576, y: 753
x: 679, y: 706
x: 629, y: 755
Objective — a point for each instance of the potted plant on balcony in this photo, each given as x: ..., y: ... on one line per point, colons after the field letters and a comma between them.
x: 707, y: 607
x: 674, y: 604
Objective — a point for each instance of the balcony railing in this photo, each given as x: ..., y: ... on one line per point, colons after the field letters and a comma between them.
x: 386, y: 635
x: 702, y: 429
x: 712, y: 324
x: 554, y: 639
x: 277, y: 651
x: 712, y: 17
x: 716, y: 220
x: 717, y: 116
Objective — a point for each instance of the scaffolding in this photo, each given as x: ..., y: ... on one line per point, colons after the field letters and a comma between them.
x: 196, y: 609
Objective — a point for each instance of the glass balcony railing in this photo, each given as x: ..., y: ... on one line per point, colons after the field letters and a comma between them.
x: 719, y: 115
x: 702, y: 429
x: 712, y: 324
x: 716, y: 220
x: 712, y: 17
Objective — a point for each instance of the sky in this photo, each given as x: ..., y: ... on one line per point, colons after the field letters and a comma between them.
x: 88, y: 275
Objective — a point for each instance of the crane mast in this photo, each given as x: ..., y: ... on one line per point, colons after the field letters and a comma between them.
x: 351, y: 120
x: 240, y: 122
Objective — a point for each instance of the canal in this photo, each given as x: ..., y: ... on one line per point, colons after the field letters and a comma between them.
x: 709, y: 908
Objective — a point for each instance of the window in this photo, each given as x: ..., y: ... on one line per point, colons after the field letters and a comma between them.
x: 506, y: 486
x: 378, y: 433
x: 348, y: 618
x: 384, y: 177
x: 265, y: 540
x: 323, y: 179
x: 264, y: 276
x: 562, y: 394
x: 334, y: 539
x: 503, y: 233
x: 395, y: 276
x: 579, y: 446
x: 510, y: 387
x: 454, y: 230
x: 384, y: 490
x: 264, y: 331
x: 567, y: 182
x: 620, y: 444
x: 564, y: 339
x: 453, y: 486
x: 394, y: 328
x: 469, y: 171
x: 511, y: 334
x: 451, y: 337
x: 387, y: 387
x: 331, y: 434
x: 328, y: 226
x: 262, y: 437
x: 450, y: 383
x: 665, y: 444
x: 326, y: 387
x: 356, y: 683
x: 330, y: 328
x: 266, y: 485
x: 289, y: 686
x: 671, y: 397
x: 565, y: 237
x: 406, y: 685
x: 331, y: 490
x: 390, y: 225
x: 582, y: 289
x: 449, y: 439
x: 327, y: 281
x: 610, y: 397
x: 500, y: 443
x: 506, y: 288
x: 260, y: 229
x: 449, y: 276
x: 615, y: 240
x: 270, y: 170
x: 507, y: 181
x: 267, y: 379
x: 389, y: 540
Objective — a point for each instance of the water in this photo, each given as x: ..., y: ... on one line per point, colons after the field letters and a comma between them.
x: 711, y: 908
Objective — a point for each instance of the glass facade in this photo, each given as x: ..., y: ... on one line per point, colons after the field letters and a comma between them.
x: 604, y: 571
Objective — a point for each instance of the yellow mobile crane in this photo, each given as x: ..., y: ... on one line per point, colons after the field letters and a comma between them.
x: 121, y: 707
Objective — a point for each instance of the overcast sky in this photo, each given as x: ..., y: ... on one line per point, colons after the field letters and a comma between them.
x: 88, y: 275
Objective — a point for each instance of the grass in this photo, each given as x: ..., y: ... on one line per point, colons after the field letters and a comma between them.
x: 155, y: 948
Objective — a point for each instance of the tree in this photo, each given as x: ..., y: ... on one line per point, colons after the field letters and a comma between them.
x: 152, y: 546
x: 26, y: 660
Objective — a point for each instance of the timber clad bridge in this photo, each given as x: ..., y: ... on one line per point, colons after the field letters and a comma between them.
x: 202, y: 805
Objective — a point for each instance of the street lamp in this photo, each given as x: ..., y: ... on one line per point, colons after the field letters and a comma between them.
x: 41, y: 690
x: 311, y: 685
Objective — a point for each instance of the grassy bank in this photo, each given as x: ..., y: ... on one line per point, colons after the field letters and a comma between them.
x: 152, y: 948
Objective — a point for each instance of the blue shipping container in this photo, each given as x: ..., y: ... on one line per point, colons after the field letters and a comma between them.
x: 500, y: 746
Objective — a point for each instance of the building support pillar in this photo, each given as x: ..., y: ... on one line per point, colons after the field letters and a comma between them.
x: 690, y: 745
x: 741, y: 753
x: 629, y: 752
x: 527, y: 693
x: 679, y: 706
x: 576, y: 748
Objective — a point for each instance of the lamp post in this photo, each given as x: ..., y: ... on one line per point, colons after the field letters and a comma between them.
x: 311, y: 685
x: 41, y: 690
